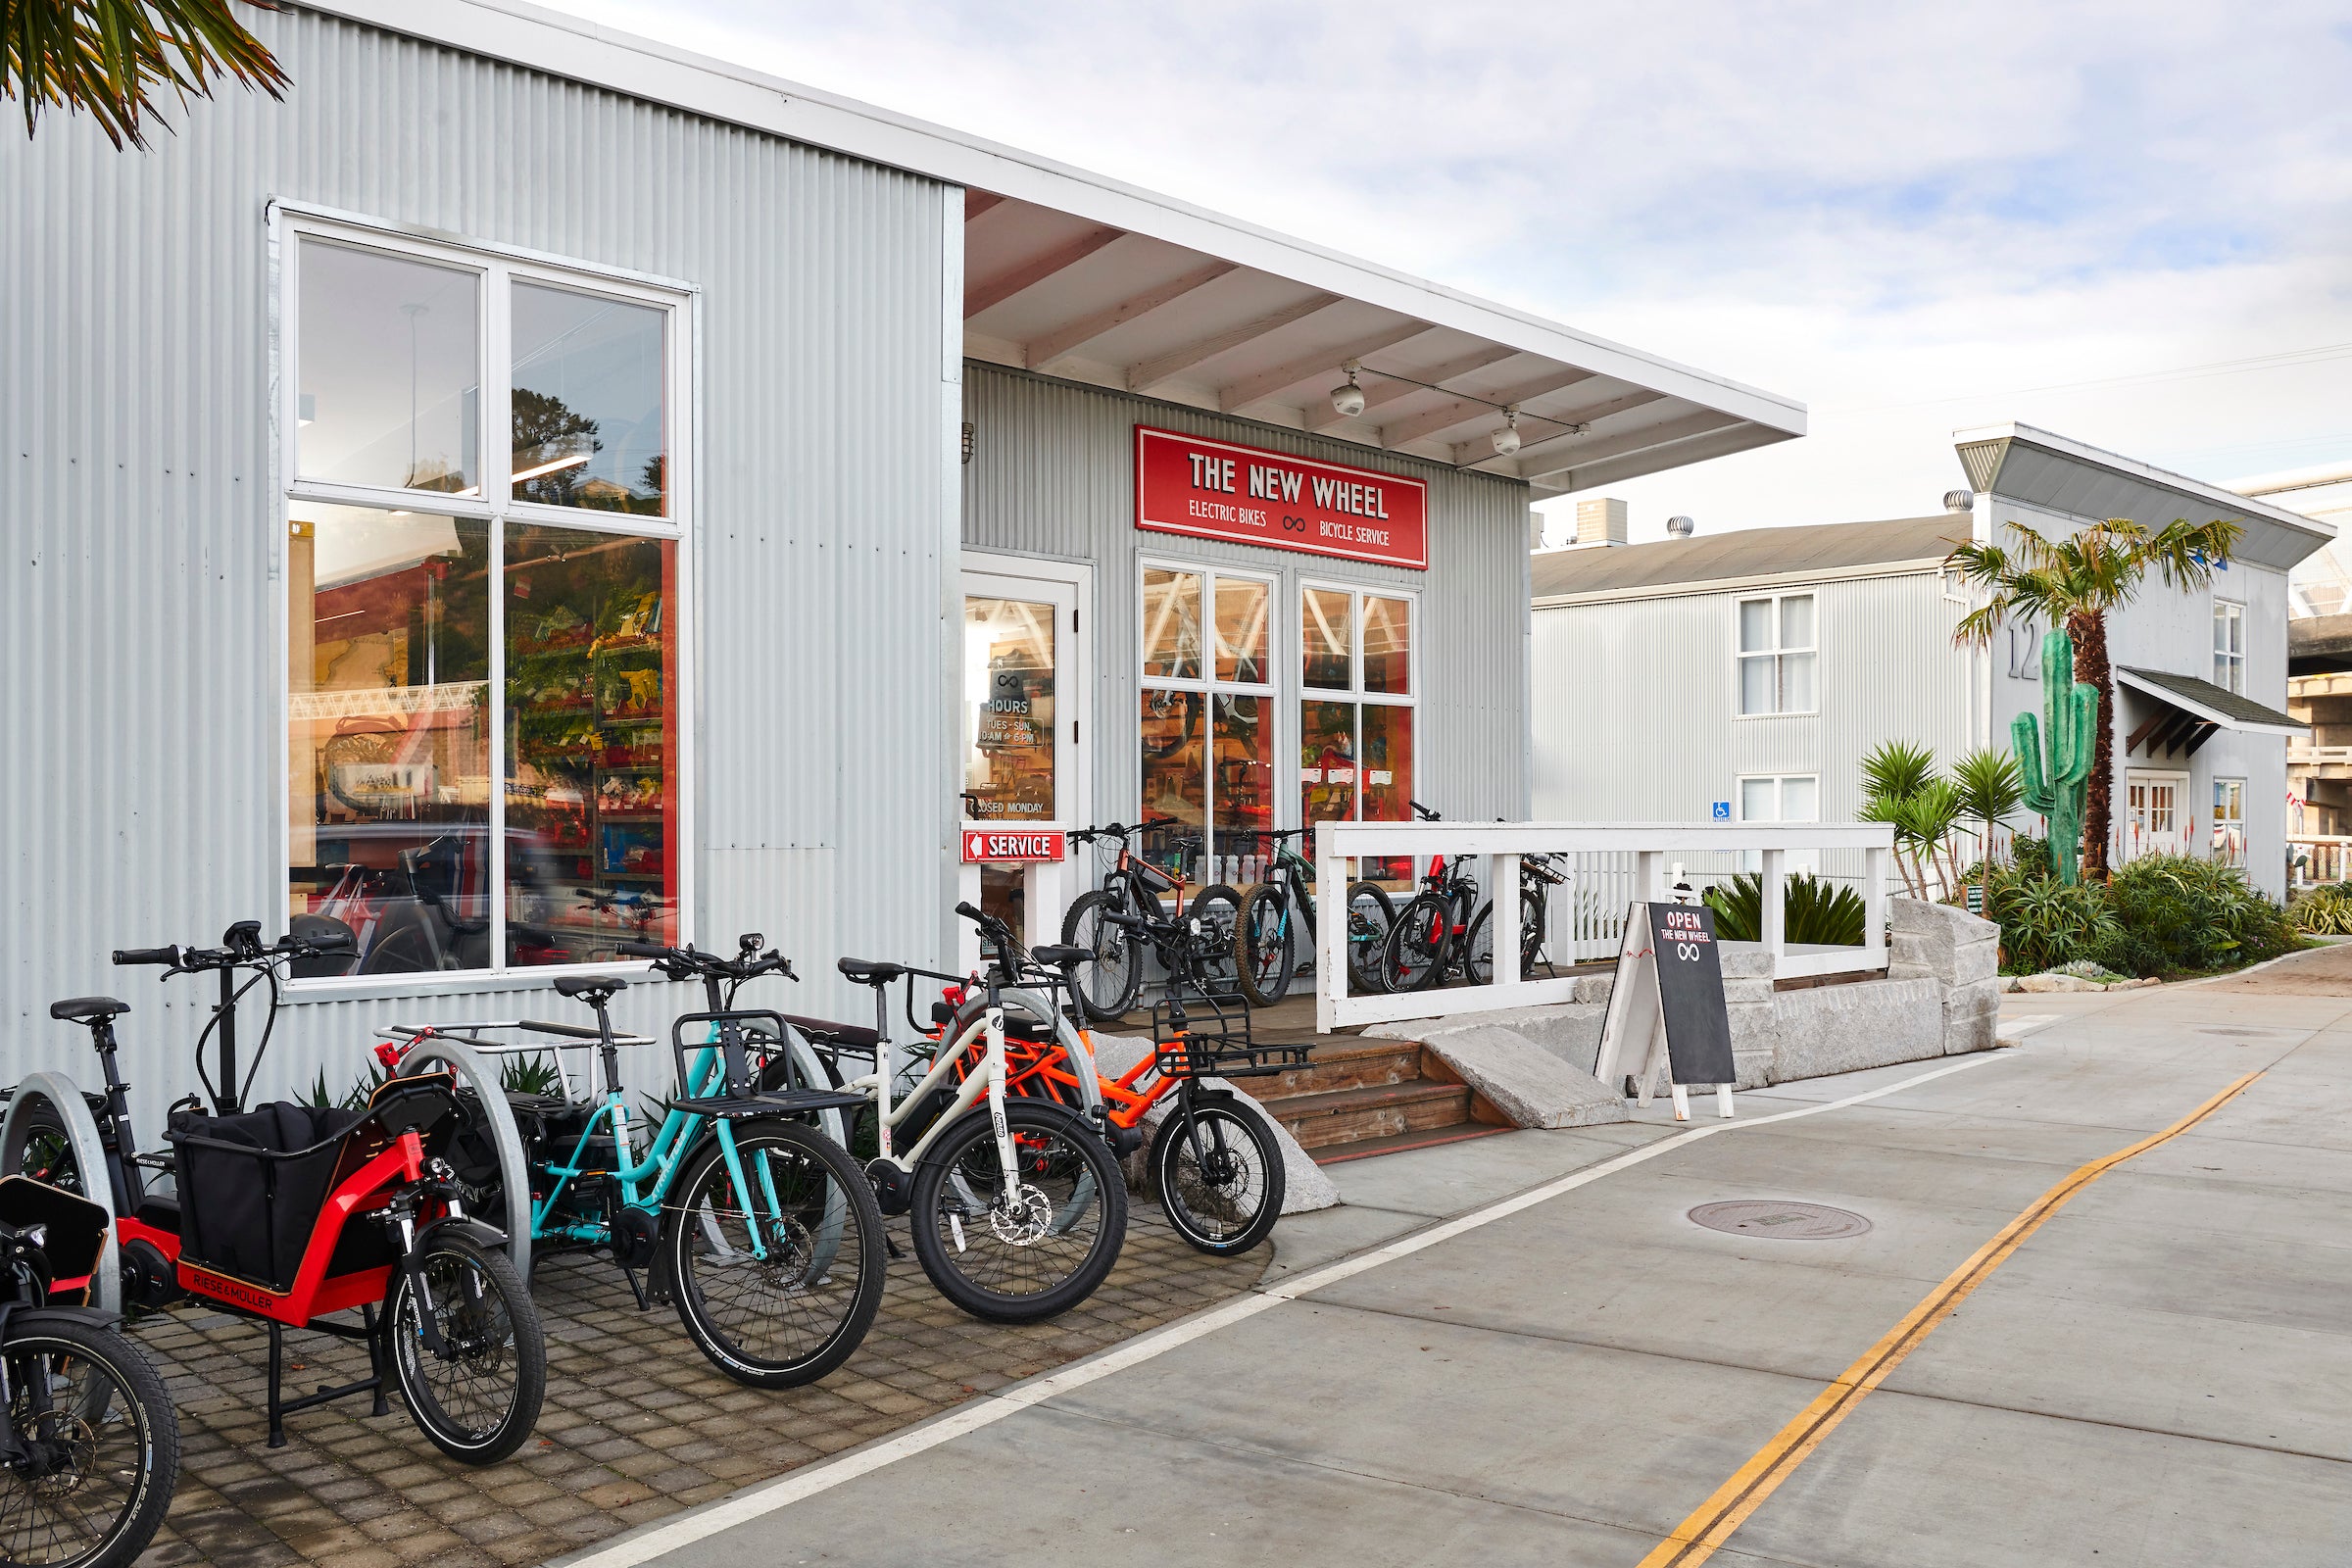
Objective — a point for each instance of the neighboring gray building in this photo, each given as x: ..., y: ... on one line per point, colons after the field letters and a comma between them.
x: 1746, y: 674
x: 534, y: 487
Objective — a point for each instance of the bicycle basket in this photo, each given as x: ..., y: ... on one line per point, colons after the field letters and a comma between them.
x: 1210, y: 1038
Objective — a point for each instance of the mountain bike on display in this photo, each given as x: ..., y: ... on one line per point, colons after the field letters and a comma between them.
x: 1121, y: 921
x: 298, y: 1214
x: 1214, y: 1165
x: 758, y: 1228
x: 89, y: 1443
x: 1444, y: 931
x: 1016, y: 1204
x: 1274, y: 912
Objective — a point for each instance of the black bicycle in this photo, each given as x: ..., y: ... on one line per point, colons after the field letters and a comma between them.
x: 1445, y: 930
x: 89, y: 1443
x: 1123, y: 920
x: 1266, y: 937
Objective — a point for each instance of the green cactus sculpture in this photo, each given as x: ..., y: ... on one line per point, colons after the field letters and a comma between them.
x: 2059, y: 790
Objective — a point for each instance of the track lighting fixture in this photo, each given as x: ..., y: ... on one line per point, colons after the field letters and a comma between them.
x: 1507, y: 439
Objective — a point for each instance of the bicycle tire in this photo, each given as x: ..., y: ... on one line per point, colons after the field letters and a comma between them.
x: 1369, y: 908
x: 1413, y: 954
x: 1533, y: 918
x: 1265, y: 939
x: 1478, y: 949
x: 39, y: 1146
x: 1109, y: 982
x: 1211, y: 1204
x: 1218, y: 909
x: 962, y: 1171
x: 153, y: 1441
x: 495, y: 1433
x: 833, y: 1331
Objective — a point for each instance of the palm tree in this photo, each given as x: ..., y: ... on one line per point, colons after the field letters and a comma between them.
x: 106, y: 57
x: 2074, y: 582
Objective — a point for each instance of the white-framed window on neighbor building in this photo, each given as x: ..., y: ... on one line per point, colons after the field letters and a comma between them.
x: 2230, y: 646
x: 2230, y: 820
x: 1778, y: 650
x: 1779, y: 797
x: 1358, y: 686
x: 1207, y: 717
x: 486, y: 507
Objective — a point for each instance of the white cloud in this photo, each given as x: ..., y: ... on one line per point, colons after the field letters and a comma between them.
x: 1907, y: 215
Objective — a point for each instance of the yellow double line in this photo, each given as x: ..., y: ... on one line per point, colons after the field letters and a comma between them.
x: 1711, y: 1524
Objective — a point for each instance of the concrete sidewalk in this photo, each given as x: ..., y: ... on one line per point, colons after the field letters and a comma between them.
x: 2161, y: 1375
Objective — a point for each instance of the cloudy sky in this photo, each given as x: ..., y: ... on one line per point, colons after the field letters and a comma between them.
x: 2126, y: 222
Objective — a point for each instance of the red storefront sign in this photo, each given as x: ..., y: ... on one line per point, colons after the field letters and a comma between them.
x: 988, y: 847
x: 1215, y: 490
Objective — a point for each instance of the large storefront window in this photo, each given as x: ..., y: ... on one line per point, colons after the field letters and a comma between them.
x: 1355, y: 750
x: 1207, y: 718
x: 484, y: 738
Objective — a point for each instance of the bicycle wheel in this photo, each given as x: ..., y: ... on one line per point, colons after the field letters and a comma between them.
x: 39, y: 1146
x: 1224, y: 1196
x: 1108, y: 982
x: 1414, y: 954
x: 789, y: 1316
x: 1038, y: 1250
x: 104, y: 1441
x: 1370, y: 915
x: 1532, y: 935
x: 1478, y: 947
x: 1265, y: 945
x: 1218, y: 909
x: 477, y: 1397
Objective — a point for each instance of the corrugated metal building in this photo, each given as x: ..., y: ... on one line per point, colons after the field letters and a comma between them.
x: 1756, y: 668
x: 799, y: 399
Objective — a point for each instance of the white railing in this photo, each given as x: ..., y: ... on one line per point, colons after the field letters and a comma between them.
x: 1610, y: 866
x: 2326, y: 858
x: 2298, y: 753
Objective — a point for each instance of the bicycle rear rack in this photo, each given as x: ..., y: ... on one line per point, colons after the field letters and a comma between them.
x: 1212, y: 1038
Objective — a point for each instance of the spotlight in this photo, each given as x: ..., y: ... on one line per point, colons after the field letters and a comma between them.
x: 1348, y: 401
x: 1507, y: 439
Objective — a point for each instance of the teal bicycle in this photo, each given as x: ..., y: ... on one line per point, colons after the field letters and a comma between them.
x: 757, y: 1227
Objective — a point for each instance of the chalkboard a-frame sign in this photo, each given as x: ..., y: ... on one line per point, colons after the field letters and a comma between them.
x: 1667, y: 1021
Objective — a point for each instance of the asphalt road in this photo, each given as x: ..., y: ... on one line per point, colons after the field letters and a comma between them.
x: 2159, y: 1373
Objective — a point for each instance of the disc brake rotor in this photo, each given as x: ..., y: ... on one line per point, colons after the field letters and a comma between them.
x: 1022, y: 1217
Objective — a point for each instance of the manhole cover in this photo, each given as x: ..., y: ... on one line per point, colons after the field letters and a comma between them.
x: 1781, y: 1219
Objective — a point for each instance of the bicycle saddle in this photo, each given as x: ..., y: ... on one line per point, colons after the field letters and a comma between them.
x: 81, y: 1009
x: 595, y: 989
x: 1054, y: 956
x: 869, y: 971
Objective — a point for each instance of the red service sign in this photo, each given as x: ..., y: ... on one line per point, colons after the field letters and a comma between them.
x: 988, y: 847
x: 1215, y: 490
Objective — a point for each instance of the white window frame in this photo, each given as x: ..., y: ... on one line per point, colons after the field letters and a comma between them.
x: 1355, y: 691
x: 2229, y: 664
x: 497, y: 267
x: 2214, y: 822
x: 1753, y: 859
x: 1208, y: 682
x: 1776, y: 653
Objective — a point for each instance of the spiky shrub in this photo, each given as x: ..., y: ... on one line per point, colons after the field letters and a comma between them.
x: 1814, y: 912
x: 2325, y: 912
x: 531, y: 1075
x: 2047, y: 923
x: 2184, y: 915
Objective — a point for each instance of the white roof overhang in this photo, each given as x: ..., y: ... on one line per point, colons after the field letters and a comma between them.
x: 1093, y: 280
x: 2019, y: 463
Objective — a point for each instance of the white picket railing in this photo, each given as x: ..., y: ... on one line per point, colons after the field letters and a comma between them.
x: 1610, y: 866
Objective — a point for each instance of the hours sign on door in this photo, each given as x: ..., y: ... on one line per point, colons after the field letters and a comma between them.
x: 1216, y: 490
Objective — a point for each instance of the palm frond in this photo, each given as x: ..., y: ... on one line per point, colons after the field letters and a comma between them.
x: 108, y: 58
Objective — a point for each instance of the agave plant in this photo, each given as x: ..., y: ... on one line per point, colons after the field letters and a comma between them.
x: 1813, y: 912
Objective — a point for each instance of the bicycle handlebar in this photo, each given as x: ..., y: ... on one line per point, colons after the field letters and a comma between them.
x: 192, y: 960
x: 689, y: 962
x: 167, y: 956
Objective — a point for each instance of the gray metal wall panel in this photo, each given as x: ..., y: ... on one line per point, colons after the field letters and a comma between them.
x: 1052, y: 474
x: 139, y: 783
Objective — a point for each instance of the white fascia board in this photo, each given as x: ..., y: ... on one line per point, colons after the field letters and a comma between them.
x: 2226, y: 501
x: 1777, y: 582
x: 560, y: 45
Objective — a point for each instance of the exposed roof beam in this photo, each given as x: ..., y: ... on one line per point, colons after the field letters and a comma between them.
x: 2132, y: 740
x: 1596, y: 449
x: 1325, y: 361
x: 1153, y: 371
x: 2203, y: 734
x: 1536, y: 439
x: 978, y: 297
x: 1067, y: 340
x: 1386, y: 389
x: 976, y: 202
x: 1460, y: 411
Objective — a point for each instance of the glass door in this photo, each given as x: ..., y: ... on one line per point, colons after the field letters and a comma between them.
x: 1020, y: 723
x: 2154, y: 821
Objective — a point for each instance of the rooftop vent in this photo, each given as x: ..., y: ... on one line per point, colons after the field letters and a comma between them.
x: 1959, y: 501
x: 1681, y: 528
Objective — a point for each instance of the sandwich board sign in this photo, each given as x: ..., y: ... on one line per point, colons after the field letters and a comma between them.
x: 1667, y: 1022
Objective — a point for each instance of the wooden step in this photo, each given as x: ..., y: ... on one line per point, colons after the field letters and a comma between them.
x: 1348, y: 1115
x: 1399, y: 1143
x: 1343, y: 1064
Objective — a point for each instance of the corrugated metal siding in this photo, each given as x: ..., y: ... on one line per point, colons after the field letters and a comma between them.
x: 1636, y: 701
x: 1052, y: 474
x: 141, y: 779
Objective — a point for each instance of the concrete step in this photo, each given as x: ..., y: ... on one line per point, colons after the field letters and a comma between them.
x: 1349, y: 1116
x: 1398, y: 1143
